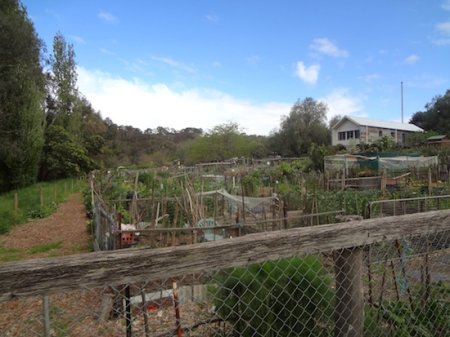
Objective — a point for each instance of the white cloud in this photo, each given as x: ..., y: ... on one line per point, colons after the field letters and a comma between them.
x: 78, y: 39
x: 308, y: 74
x: 326, y: 47
x: 107, y: 16
x: 174, y: 64
x: 340, y: 102
x: 212, y: 18
x: 446, y: 5
x: 370, y: 77
x: 412, y: 59
x: 144, y: 105
x: 444, y: 27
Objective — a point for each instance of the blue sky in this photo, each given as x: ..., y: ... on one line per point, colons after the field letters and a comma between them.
x: 202, y: 63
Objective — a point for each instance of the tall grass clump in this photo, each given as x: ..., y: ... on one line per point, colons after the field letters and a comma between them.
x: 35, y: 201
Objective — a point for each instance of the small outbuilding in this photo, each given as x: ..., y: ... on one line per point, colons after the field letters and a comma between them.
x: 350, y: 131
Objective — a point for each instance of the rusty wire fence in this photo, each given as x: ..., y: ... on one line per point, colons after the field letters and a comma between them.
x: 377, y: 277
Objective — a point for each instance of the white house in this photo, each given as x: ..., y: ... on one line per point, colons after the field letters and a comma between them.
x: 352, y: 130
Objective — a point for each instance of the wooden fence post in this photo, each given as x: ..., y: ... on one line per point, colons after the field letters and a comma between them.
x: 349, y: 307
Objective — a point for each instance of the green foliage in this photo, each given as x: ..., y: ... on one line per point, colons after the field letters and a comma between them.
x: 63, y: 157
x: 436, y: 117
x: 223, y: 142
x: 305, y: 125
x: 34, y: 201
x: 21, y: 98
x: 250, y: 183
x: 352, y: 202
x: 426, y: 318
x: 276, y: 298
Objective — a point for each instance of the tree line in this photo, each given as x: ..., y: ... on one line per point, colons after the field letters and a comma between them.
x: 49, y: 130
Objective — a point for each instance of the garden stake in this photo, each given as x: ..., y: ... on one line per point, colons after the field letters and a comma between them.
x: 395, y: 281
x: 369, y: 271
x: 403, y: 269
x: 176, y: 305
x: 144, y: 313
x: 383, y: 280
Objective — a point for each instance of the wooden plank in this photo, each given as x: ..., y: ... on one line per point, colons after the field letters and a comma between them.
x: 41, y: 276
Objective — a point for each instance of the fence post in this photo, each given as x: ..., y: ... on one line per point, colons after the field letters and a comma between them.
x: 349, y: 306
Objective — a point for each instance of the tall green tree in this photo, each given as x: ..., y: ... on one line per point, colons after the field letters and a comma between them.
x: 63, y: 95
x: 305, y: 125
x: 21, y: 97
x: 436, y: 117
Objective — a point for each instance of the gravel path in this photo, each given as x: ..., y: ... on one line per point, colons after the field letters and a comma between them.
x: 66, y: 229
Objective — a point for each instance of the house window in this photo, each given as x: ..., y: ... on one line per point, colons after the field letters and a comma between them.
x: 357, y: 134
x: 380, y: 133
x: 349, y: 134
x: 341, y: 135
x: 392, y: 134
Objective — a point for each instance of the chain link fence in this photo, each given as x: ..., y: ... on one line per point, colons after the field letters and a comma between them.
x: 349, y: 279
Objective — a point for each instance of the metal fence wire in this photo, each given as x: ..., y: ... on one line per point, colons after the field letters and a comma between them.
x: 395, y: 287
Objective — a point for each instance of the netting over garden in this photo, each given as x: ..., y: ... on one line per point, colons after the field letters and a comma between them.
x: 377, y: 164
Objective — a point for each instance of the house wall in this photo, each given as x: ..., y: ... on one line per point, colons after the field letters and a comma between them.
x: 367, y: 134
x: 347, y: 126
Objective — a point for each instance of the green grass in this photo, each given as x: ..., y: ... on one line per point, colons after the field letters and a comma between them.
x: 46, y: 247
x: 10, y: 254
x: 15, y: 254
x: 36, y: 201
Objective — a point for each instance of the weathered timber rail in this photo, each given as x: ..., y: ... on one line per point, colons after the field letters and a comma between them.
x: 109, y: 268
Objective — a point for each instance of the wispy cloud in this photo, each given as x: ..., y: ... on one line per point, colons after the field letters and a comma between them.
x: 212, y: 18
x: 107, y: 51
x: 78, y: 39
x: 107, y: 16
x: 310, y: 74
x: 253, y: 59
x: 199, y: 107
x: 444, y: 30
x: 326, y: 47
x: 174, y: 64
x: 370, y: 77
x: 341, y: 102
x: 412, y: 59
x: 446, y: 5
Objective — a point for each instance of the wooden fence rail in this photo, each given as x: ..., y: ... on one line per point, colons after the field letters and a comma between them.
x: 109, y: 268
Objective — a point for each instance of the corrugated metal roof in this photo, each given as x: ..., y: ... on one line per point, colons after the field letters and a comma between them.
x: 381, y: 124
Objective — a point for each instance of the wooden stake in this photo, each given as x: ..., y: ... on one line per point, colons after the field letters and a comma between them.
x: 176, y: 305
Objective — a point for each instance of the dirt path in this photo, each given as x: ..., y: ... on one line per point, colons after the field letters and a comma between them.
x: 62, y: 233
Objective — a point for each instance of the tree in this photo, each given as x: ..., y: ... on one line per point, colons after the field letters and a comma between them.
x: 436, y: 117
x: 21, y: 97
x: 305, y: 125
x: 62, y: 156
x: 223, y: 142
x: 62, y: 86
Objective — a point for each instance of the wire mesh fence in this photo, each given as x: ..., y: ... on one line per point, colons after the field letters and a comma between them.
x: 402, y: 206
x: 259, y: 285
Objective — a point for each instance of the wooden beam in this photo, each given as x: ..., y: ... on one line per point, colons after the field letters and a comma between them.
x: 46, y: 276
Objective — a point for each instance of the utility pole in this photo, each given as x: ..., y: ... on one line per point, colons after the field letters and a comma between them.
x: 401, y: 89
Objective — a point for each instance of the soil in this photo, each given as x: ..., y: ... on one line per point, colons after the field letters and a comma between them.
x: 62, y: 233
